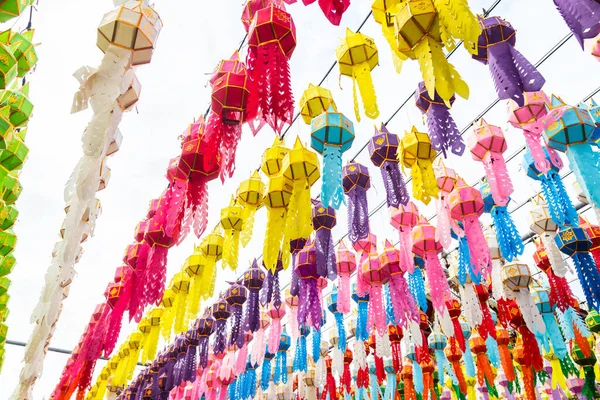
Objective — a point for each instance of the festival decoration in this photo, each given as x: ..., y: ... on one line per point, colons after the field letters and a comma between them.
x: 443, y: 133
x: 308, y: 271
x: 315, y: 101
x: 375, y: 275
x: 582, y: 18
x: 236, y: 296
x: 253, y: 281
x: 383, y: 14
x: 232, y: 222
x: 357, y: 56
x: 323, y: 222
x: 356, y: 181
x: 404, y: 219
x: 332, y: 9
x: 417, y: 154
x: 512, y: 73
x: 346, y: 266
x: 271, y: 43
x: 383, y: 149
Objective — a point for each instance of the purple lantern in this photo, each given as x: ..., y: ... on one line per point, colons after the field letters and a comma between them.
x: 181, y: 347
x: 323, y: 219
x: 356, y: 182
x: 307, y: 270
x: 383, y: 148
x: 295, y: 246
x: 220, y: 312
x: 236, y: 296
x: 512, y: 73
x: 193, y: 339
x: 253, y: 280
x: 581, y: 16
x: 205, y: 326
x: 443, y: 132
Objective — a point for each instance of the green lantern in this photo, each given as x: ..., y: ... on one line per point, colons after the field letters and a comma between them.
x: 4, y: 314
x: 20, y: 106
x: 8, y: 65
x: 22, y: 49
x: 587, y: 364
x: 4, y: 298
x: 10, y: 9
x: 7, y: 129
x: 4, y: 284
x: 11, y: 188
x: 8, y: 241
x: 3, y: 332
x: 13, y: 157
x: 593, y: 321
x: 6, y: 265
x: 10, y: 218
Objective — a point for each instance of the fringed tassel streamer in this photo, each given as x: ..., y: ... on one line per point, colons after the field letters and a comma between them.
x: 332, y: 193
x: 509, y: 240
x: 416, y: 286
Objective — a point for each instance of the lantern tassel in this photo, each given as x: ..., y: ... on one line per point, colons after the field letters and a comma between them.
x: 534, y: 144
x: 332, y: 193
x: 395, y: 188
x: 498, y: 178
x: 230, y: 138
x: 231, y: 245
x: 443, y: 132
x: 404, y: 306
x: 509, y: 240
x: 585, y: 163
x: 343, y: 303
x: 362, y: 77
x: 248, y: 227
x: 423, y: 180
x: 197, y: 201
x: 478, y: 248
x: 417, y: 288
x: 459, y: 22
x: 589, y: 278
x: 358, y: 215
x: 440, y: 290
x: 397, y: 57
x: 276, y: 218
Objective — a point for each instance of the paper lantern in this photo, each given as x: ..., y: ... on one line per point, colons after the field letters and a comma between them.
x: 404, y: 219
x: 587, y: 363
x: 133, y: 26
x: 204, y: 326
x: 236, y: 296
x: 308, y: 271
x: 324, y: 220
x: 383, y: 149
x: 331, y: 135
x: 10, y: 9
x: 357, y: 56
x: 220, y: 312
x: 417, y: 154
x: 8, y: 64
x: 20, y: 107
x: 315, y: 101
x: 346, y: 265
x: 356, y: 181
x: 250, y: 195
x: 253, y: 280
x: 593, y: 321
x: 383, y: 13
x: 23, y: 49
x: 375, y: 275
x: 232, y: 222
x: 271, y: 42
x: 14, y: 155
x: 403, y: 303
x: 511, y: 72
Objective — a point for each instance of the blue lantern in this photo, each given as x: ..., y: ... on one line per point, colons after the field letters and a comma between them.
x: 331, y: 135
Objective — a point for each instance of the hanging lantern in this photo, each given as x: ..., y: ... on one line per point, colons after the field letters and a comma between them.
x: 332, y: 9
x: 230, y: 93
x: 403, y: 303
x: 19, y: 105
x: 315, y: 101
x: 404, y: 219
x: 374, y: 275
x: 383, y: 13
x: 133, y: 26
x: 357, y: 181
x: 383, y: 148
x: 220, y: 312
x: 443, y: 132
x: 212, y: 249
x: 466, y: 205
x: 324, y: 220
x: 276, y: 313
x: 484, y: 369
x: 13, y: 8
x: 346, y: 265
x: 546, y: 308
x: 332, y: 306
x: 236, y: 295
x: 417, y: 154
x: 259, y: 343
x: 516, y: 278
x: 309, y: 297
x: 582, y: 18
x: 418, y: 29
x: 204, y: 326
x: 277, y: 197
x: 437, y: 343
x: 232, y: 222
x: 250, y: 195
x: 331, y: 135
x: 511, y: 72
x: 271, y: 42
x: 253, y: 280
x: 357, y: 56
x: 295, y: 246
x: 8, y: 69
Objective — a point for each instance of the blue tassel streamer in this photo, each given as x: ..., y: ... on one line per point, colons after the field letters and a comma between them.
x: 493, y: 352
x: 232, y: 390
x: 418, y: 377
x: 542, y: 340
x: 361, y: 321
x: 589, y: 278
x: 316, y: 345
x: 553, y: 333
x: 265, y: 375
x: 281, y: 367
x: 390, y: 317
x: 361, y: 393
x: 301, y: 354
x: 332, y: 193
x: 440, y: 357
x: 585, y: 163
x: 417, y: 288
x: 251, y: 384
x: 373, y: 384
x: 339, y: 321
x: 565, y: 324
x: 509, y: 241
x: 465, y: 266
x: 390, y: 387
x: 469, y: 364
x: 578, y: 322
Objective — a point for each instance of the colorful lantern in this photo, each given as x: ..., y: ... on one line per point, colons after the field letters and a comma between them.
x: 133, y: 26
x: 512, y: 73
x: 383, y: 148
x: 375, y: 275
x: 446, y: 225
x: 253, y: 280
x: 454, y: 357
x: 212, y: 249
x: 204, y: 326
x: 477, y: 344
x: 332, y: 9
x: 383, y: 13
x: 315, y: 101
x: 357, y: 56
x: 230, y: 93
x: 417, y: 154
x: 331, y: 135
x: 346, y: 265
x: 357, y: 181
x: 418, y: 26
x: 271, y: 42
x: 236, y: 296
x: 13, y: 8
x: 232, y: 222
x: 404, y: 219
x: 309, y: 297
x: 443, y: 132
x: 466, y: 205
x: 546, y: 309
x: 516, y: 278
x: 220, y: 312
x: 323, y: 222
x: 19, y: 106
x: 582, y: 18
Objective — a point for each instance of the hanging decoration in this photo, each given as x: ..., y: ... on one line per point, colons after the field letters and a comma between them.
x: 417, y: 154
x: 356, y: 181
x: 582, y: 17
x: 332, y: 9
x: 315, y: 101
x: 309, y: 312
x: 404, y: 219
x: 250, y: 195
x: 357, y: 56
x: 383, y: 149
x: 383, y: 14
x: 331, y: 135
x: 323, y: 222
x: 512, y: 73
x: 232, y: 221
x: 446, y: 225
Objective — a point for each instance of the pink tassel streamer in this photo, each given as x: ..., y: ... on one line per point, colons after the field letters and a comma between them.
x: 137, y: 300
x: 534, y: 144
x: 438, y: 283
x: 498, y: 178
x: 176, y: 199
x: 275, y: 335
x: 376, y: 310
x: 404, y: 305
x: 242, y: 357
x: 405, y: 251
x: 157, y: 270
x: 197, y: 201
x: 343, y: 300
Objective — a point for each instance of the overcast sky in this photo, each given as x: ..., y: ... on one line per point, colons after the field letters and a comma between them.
x: 196, y: 35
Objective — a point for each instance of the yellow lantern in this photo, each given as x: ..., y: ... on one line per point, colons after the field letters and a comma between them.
x: 419, y: 37
x: 417, y: 154
x: 133, y: 26
x: 181, y: 287
x: 383, y: 13
x: 194, y: 267
x: 250, y: 195
x: 301, y: 167
x: 315, y: 101
x: 168, y: 316
x: 232, y: 222
x: 276, y: 199
x: 212, y: 248
x: 151, y: 341
x: 357, y: 56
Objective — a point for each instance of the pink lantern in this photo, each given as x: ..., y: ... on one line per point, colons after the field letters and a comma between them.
x: 466, y: 205
x: 374, y: 275
x: 276, y: 314
x: 487, y: 143
x: 446, y: 179
x: 405, y: 218
x: 402, y: 301
x: 346, y: 265
x: 427, y: 247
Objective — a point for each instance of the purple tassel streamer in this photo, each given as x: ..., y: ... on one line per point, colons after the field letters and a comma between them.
x: 581, y: 16
x: 395, y: 188
x: 309, y: 304
x: 358, y: 214
x: 276, y: 290
x: 295, y: 285
x: 443, y: 132
x: 203, y: 351
x: 235, y: 337
x: 266, y: 292
x: 190, y: 357
x: 325, y: 254
x: 220, y: 336
x: 252, y: 320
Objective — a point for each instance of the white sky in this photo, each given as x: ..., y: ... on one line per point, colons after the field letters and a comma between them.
x: 196, y: 35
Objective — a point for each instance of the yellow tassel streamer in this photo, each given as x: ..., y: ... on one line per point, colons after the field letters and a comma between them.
x: 416, y: 153
x: 299, y: 216
x: 276, y: 218
x: 457, y: 21
x: 362, y: 76
x: 231, y: 247
x: 558, y: 378
x: 397, y: 57
x: 194, y: 267
x: 168, y: 315
x: 250, y: 196
x: 248, y: 216
x: 471, y: 389
x: 182, y: 289
x: 151, y: 342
